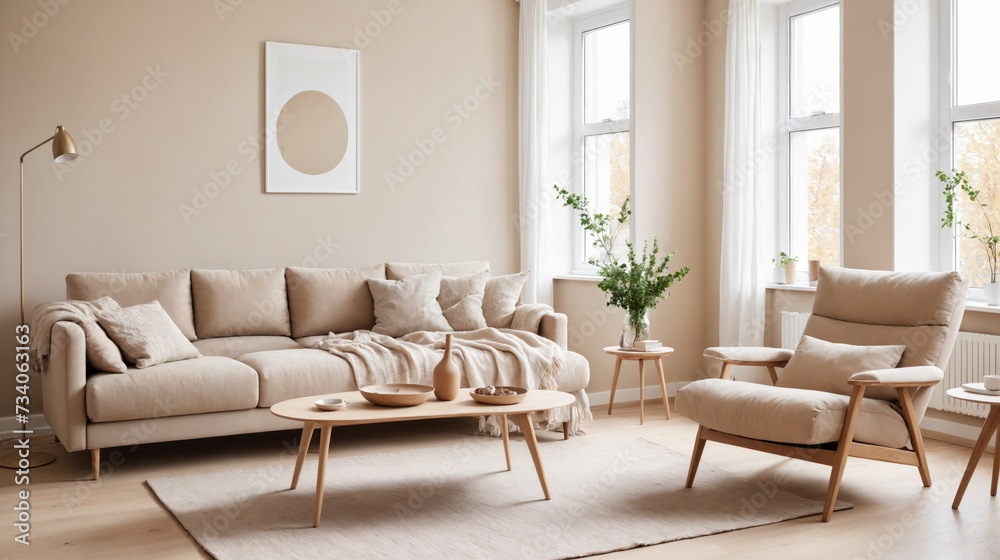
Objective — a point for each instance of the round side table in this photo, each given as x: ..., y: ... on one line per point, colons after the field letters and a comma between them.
x: 989, y: 427
x: 642, y: 357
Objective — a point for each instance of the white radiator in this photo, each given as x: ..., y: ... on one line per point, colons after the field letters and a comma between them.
x: 974, y: 356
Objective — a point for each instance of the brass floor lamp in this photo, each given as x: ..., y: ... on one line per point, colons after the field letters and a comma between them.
x: 63, y: 150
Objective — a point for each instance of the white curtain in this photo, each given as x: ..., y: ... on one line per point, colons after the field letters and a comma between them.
x: 532, y: 149
x: 741, y: 315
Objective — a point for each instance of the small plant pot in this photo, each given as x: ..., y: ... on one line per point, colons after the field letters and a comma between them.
x: 778, y: 276
x: 790, y: 273
x: 991, y: 292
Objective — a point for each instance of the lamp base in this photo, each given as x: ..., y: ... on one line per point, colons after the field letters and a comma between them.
x: 11, y: 460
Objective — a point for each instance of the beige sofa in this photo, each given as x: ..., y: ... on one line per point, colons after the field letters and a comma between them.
x: 253, y: 328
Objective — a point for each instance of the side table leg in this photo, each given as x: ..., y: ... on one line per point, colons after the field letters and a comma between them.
x: 642, y: 398
x: 524, y: 422
x: 996, y: 464
x: 324, y: 450
x: 307, y: 433
x: 663, y: 386
x: 614, y: 384
x: 502, y: 418
x: 984, y: 438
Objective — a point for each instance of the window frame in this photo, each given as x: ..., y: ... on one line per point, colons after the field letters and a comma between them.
x: 581, y: 130
x: 949, y: 115
x: 787, y: 125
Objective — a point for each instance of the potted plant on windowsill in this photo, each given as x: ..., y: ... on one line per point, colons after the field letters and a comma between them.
x: 784, y: 268
x: 634, y: 284
x: 979, y: 228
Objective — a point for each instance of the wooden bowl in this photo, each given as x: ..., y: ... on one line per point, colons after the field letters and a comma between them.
x: 494, y: 399
x: 397, y: 394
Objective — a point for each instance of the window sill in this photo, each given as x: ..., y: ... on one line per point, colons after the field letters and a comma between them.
x: 577, y: 277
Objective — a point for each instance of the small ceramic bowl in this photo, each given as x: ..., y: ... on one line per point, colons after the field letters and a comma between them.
x: 331, y: 404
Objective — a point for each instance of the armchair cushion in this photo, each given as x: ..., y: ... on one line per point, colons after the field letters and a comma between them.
x: 826, y: 366
x: 786, y: 415
x: 748, y: 354
x: 921, y: 374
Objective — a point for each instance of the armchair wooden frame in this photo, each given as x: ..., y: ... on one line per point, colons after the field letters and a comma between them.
x: 846, y: 446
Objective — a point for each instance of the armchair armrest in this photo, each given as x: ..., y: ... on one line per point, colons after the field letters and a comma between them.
x: 750, y: 356
x: 916, y: 376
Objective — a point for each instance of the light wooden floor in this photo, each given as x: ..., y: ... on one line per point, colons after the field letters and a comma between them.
x: 893, y: 515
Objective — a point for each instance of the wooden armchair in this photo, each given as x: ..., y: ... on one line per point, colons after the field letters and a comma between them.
x: 857, y: 385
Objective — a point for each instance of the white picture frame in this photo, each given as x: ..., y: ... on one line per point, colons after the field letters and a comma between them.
x: 291, y: 70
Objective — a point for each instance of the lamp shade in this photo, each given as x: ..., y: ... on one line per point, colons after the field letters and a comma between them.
x: 63, y: 147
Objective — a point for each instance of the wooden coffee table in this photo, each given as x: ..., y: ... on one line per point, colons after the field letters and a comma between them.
x: 361, y: 411
x: 989, y: 427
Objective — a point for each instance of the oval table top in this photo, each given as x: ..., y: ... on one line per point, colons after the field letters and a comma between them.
x: 627, y: 354
x: 963, y: 395
x: 360, y: 411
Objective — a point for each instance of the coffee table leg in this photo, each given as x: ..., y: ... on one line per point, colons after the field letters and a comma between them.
x: 642, y: 399
x: 307, y: 434
x: 984, y: 439
x: 524, y: 422
x: 663, y: 386
x: 614, y: 384
x: 324, y: 450
x: 502, y: 418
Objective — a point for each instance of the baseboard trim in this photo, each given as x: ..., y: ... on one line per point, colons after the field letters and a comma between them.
x: 951, y: 432
x: 36, y: 423
x: 632, y: 395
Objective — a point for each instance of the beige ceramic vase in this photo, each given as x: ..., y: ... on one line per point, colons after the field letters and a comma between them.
x: 446, y: 375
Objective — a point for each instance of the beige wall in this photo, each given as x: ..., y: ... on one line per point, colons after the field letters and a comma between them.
x: 669, y: 185
x: 120, y: 208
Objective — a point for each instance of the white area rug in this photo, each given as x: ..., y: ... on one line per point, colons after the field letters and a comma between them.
x: 461, y: 502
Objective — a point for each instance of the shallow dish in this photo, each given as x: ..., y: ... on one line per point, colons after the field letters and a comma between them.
x: 331, y: 404
x: 494, y: 399
x: 397, y: 394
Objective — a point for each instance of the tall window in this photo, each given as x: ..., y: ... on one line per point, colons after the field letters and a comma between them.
x: 810, y: 127
x: 971, y: 107
x: 603, y: 97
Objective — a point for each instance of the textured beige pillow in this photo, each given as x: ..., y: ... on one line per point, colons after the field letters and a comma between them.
x: 240, y: 303
x: 461, y: 300
x: 408, y: 305
x: 826, y: 366
x: 328, y: 300
x: 146, y: 335
x: 500, y: 298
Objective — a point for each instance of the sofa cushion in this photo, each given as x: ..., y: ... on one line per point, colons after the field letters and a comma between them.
x: 209, y: 384
x: 234, y: 346
x: 240, y: 303
x: 826, y: 366
x: 398, y: 271
x: 289, y: 374
x: 172, y: 289
x: 146, y: 335
x: 338, y: 300
x: 461, y: 300
x: 786, y: 415
x: 501, y: 297
x: 408, y: 305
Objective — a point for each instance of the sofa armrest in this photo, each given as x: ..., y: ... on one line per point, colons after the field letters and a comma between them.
x: 916, y: 376
x: 64, y: 386
x: 750, y: 356
x: 554, y: 326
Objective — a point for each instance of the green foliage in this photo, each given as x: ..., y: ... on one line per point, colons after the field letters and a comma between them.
x: 636, y: 283
x: 783, y: 259
x: 954, y: 183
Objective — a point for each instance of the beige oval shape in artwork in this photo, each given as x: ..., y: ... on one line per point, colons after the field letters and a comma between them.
x: 312, y: 133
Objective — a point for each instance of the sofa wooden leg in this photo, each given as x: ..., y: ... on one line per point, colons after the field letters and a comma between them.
x: 95, y: 462
x: 565, y: 430
x: 699, y: 447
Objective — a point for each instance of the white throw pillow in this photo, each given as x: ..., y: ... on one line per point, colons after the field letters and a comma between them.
x: 408, y: 305
x: 461, y: 300
x: 826, y: 366
x: 501, y: 297
x: 146, y: 335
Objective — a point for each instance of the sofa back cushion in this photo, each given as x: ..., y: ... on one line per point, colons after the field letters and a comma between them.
x: 172, y: 289
x: 328, y: 300
x: 240, y: 303
x: 398, y: 271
